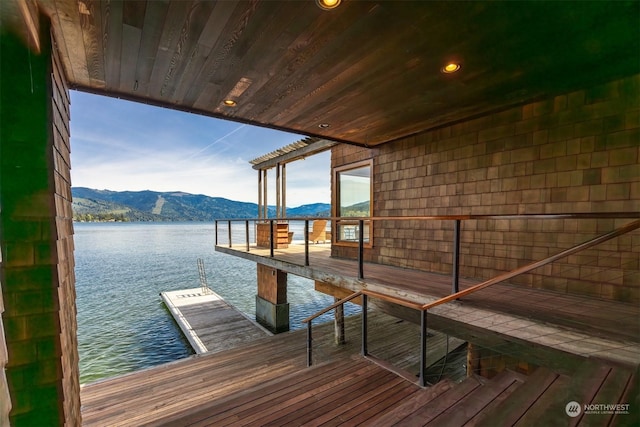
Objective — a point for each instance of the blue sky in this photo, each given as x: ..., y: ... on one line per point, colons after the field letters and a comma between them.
x: 120, y: 145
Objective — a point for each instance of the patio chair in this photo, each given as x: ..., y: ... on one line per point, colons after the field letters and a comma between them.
x: 318, y: 232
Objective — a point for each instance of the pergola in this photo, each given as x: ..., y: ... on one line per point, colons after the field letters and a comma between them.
x: 278, y: 159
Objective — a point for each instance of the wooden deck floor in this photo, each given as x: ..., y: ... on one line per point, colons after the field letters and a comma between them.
x: 544, y: 325
x: 268, y: 384
x: 152, y: 395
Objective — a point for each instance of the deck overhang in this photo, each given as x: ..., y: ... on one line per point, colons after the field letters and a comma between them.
x: 545, y: 339
x: 366, y: 73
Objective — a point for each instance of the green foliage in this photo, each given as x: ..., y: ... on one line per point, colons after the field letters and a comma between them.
x: 358, y: 210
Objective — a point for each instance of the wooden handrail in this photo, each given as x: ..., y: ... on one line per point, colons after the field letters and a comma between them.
x: 525, y: 268
x: 332, y: 306
x: 395, y: 300
x: 579, y: 215
x: 502, y: 277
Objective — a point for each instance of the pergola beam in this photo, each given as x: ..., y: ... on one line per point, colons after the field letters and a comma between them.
x: 283, y: 156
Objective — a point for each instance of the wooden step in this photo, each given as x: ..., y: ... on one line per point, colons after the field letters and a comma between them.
x: 511, y: 410
x: 427, y: 412
x: 614, y: 388
x: 415, y: 402
x: 492, y: 393
x: 631, y: 396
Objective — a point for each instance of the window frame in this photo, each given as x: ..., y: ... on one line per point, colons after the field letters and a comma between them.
x: 336, y: 205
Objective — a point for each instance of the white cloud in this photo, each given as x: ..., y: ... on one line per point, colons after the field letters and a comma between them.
x: 119, y: 145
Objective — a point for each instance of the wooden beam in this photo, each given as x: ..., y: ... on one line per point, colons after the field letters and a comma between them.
x: 335, y: 291
x: 259, y: 194
x: 311, y: 149
x: 278, y: 192
x: 284, y: 190
x: 29, y: 12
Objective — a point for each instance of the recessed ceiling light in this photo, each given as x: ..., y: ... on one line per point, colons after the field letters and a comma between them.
x: 229, y: 102
x: 328, y: 4
x: 324, y: 125
x: 451, y: 67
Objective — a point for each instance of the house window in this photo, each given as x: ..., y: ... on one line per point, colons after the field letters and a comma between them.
x: 354, y: 195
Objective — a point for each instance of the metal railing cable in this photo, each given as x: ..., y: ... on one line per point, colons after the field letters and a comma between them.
x: 309, y: 322
x: 360, y: 244
x: 423, y: 308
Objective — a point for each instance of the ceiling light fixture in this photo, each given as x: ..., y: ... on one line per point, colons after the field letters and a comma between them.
x: 324, y: 125
x: 229, y: 102
x: 451, y: 67
x: 328, y: 4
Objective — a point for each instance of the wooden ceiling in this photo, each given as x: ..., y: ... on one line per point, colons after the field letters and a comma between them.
x: 370, y: 70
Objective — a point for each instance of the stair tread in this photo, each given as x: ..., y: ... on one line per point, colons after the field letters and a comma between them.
x: 443, y: 402
x: 473, y: 404
x: 510, y: 410
x: 416, y: 401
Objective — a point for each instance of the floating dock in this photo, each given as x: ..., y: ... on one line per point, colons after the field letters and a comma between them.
x: 209, y: 323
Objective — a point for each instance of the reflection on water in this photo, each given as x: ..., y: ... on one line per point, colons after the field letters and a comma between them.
x: 122, y: 267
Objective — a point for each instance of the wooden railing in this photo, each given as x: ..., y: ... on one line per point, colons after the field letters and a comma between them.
x: 309, y: 321
x: 423, y: 308
x: 456, y: 219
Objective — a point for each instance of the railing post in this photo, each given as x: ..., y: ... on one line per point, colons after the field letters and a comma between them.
x: 246, y: 227
x: 455, y: 286
x: 365, y: 351
x: 423, y: 347
x: 361, y: 249
x: 309, y: 344
x: 216, y: 240
x: 306, y: 242
x: 271, y: 238
x: 229, y: 225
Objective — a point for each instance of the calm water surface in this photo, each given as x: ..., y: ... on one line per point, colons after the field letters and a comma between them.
x: 122, y: 267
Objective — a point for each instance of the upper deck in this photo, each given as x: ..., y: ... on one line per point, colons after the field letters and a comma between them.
x: 546, y: 327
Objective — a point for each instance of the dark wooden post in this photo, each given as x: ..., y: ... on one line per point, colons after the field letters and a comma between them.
x: 455, y: 287
x: 246, y: 231
x: 423, y: 347
x: 306, y: 242
x: 338, y: 322
x: 365, y: 351
x: 361, y: 249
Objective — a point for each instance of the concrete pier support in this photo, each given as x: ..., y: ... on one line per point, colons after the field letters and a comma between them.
x: 272, y: 308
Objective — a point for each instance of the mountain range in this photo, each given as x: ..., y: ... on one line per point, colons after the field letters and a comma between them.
x: 106, y: 205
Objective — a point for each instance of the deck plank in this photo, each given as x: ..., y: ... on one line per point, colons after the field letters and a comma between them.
x: 362, y: 409
x: 508, y: 413
x: 500, y: 387
x: 414, y: 403
x: 230, y: 406
x: 611, y: 392
x: 374, y: 402
x: 149, y: 396
x: 428, y: 413
x: 317, y: 404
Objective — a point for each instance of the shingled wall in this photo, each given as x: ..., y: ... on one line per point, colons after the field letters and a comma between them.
x: 37, y: 269
x: 575, y: 152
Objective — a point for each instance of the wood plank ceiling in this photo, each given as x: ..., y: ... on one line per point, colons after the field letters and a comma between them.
x: 369, y: 70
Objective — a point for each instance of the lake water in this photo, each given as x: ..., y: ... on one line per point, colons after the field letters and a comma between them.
x: 121, y: 268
